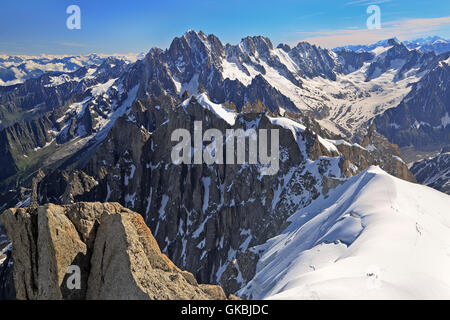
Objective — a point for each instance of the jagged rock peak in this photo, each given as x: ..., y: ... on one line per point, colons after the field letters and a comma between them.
x: 198, y: 40
x: 257, y: 45
x: 393, y: 42
x: 284, y: 47
x: 113, y: 250
x: 446, y: 149
x: 306, y: 46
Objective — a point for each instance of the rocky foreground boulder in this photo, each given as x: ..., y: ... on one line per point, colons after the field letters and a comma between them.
x: 110, y: 247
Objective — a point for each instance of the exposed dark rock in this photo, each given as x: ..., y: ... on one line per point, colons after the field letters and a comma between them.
x: 434, y: 172
x: 421, y: 119
x: 205, y: 217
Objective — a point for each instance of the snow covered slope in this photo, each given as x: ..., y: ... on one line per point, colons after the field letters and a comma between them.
x: 374, y: 237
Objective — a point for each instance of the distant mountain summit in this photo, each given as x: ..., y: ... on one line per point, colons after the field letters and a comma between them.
x: 434, y: 44
x: 364, y: 48
x: 112, y: 248
x: 17, y: 69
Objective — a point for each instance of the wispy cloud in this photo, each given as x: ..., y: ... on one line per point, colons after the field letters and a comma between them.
x: 365, y: 2
x: 402, y: 29
x: 73, y: 44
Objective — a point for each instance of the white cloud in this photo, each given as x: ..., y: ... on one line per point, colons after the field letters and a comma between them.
x: 365, y: 2
x: 402, y: 29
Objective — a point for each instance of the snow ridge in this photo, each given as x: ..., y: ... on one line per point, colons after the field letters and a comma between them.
x: 374, y: 237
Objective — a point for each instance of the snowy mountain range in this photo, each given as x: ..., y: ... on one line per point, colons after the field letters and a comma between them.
x: 17, y: 69
x: 101, y: 133
x: 342, y: 89
x: 434, y: 44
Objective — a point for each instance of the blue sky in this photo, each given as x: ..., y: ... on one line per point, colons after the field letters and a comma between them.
x: 39, y: 26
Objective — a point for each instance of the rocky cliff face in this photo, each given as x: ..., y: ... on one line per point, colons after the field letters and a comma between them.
x: 386, y: 155
x: 422, y: 118
x: 111, y: 246
x: 202, y: 216
x: 208, y: 217
x: 434, y: 172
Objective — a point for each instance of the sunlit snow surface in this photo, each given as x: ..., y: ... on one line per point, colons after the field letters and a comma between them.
x: 218, y: 109
x: 374, y: 237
